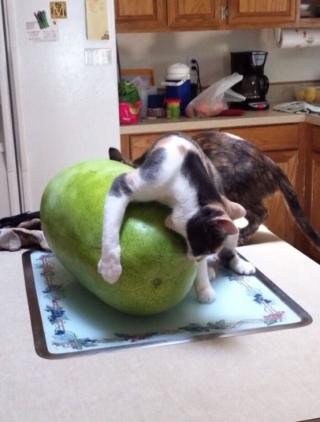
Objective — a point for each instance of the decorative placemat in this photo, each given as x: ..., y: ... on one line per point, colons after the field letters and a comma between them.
x: 67, y: 319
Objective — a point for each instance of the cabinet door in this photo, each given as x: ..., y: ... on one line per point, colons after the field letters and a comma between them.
x: 314, y: 195
x: 194, y: 14
x: 269, y: 138
x: 248, y: 13
x: 140, y: 16
x: 315, y: 192
x: 281, y: 144
x: 280, y: 220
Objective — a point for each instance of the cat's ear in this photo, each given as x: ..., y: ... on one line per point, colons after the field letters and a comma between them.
x: 233, y: 209
x: 227, y: 225
x: 169, y: 223
x: 116, y: 155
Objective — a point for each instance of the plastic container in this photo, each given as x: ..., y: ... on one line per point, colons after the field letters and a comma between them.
x: 156, y: 106
x: 307, y: 93
x: 178, y: 85
x: 173, y: 108
x: 144, y: 93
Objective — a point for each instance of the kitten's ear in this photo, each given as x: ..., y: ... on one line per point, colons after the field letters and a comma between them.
x: 234, y: 209
x: 169, y: 223
x: 226, y: 225
x: 116, y: 155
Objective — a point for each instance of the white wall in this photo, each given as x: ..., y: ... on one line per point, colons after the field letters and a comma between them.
x: 213, y: 48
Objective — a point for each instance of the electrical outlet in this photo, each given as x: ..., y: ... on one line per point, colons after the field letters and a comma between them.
x: 191, y: 57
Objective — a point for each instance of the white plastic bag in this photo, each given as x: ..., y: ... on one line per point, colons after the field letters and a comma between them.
x: 213, y: 100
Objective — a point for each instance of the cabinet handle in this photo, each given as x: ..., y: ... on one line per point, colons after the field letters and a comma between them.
x: 224, y: 12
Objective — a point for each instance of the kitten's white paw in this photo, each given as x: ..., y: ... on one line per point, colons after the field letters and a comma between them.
x: 110, y: 268
x: 211, y: 273
x: 206, y: 295
x: 242, y: 267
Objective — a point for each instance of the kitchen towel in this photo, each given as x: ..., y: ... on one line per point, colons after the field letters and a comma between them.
x: 297, y: 38
x: 14, y: 239
x: 22, y: 230
x: 297, y: 107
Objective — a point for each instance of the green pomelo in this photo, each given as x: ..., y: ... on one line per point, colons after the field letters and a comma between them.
x: 156, y: 272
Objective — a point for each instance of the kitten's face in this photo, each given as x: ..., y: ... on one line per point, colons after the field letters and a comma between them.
x: 206, y: 232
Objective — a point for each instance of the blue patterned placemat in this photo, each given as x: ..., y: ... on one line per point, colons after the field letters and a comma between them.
x: 66, y: 318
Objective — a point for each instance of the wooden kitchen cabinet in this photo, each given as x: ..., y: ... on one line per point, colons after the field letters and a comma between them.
x: 247, y: 13
x: 267, y: 138
x: 140, y: 16
x: 282, y: 144
x: 188, y: 15
x: 313, y: 186
x: 315, y: 191
x: 280, y: 220
x: 194, y: 14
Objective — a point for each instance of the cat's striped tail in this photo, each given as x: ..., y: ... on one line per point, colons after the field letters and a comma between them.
x: 295, y: 208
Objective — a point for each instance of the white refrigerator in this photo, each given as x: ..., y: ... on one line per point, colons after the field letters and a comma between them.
x: 59, y: 98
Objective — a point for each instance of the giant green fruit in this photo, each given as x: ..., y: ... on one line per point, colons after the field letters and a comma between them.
x: 156, y: 272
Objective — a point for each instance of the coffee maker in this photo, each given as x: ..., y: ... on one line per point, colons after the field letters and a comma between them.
x: 254, y: 85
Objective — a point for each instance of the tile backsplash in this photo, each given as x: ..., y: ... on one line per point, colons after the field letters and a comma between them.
x: 281, y: 93
x: 212, y: 49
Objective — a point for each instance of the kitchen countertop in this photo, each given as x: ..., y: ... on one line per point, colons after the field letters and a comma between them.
x: 272, y: 377
x: 250, y: 118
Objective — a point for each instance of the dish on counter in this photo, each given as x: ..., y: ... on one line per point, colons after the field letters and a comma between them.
x: 67, y: 319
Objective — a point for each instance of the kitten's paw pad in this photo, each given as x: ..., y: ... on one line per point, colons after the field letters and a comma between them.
x: 211, y: 273
x: 110, y: 268
x: 243, y: 267
x: 206, y: 295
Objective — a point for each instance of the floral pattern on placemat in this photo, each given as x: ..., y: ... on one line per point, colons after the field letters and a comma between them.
x: 53, y: 287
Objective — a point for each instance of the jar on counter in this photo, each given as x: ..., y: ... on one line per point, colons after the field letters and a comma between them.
x: 173, y: 108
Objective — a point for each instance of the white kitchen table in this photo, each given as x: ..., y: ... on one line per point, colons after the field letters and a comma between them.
x: 271, y: 376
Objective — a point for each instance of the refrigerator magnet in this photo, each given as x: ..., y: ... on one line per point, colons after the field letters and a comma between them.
x: 58, y: 10
x: 42, y: 19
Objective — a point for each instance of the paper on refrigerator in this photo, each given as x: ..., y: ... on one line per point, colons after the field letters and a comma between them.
x: 34, y: 33
x: 97, y: 20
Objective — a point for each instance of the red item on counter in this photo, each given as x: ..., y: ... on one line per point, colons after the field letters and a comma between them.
x: 232, y: 112
x: 129, y: 113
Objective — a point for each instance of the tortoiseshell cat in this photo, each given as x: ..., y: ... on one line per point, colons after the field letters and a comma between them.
x: 248, y: 177
x: 176, y: 172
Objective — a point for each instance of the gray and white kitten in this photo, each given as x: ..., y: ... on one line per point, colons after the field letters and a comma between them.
x: 176, y: 172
